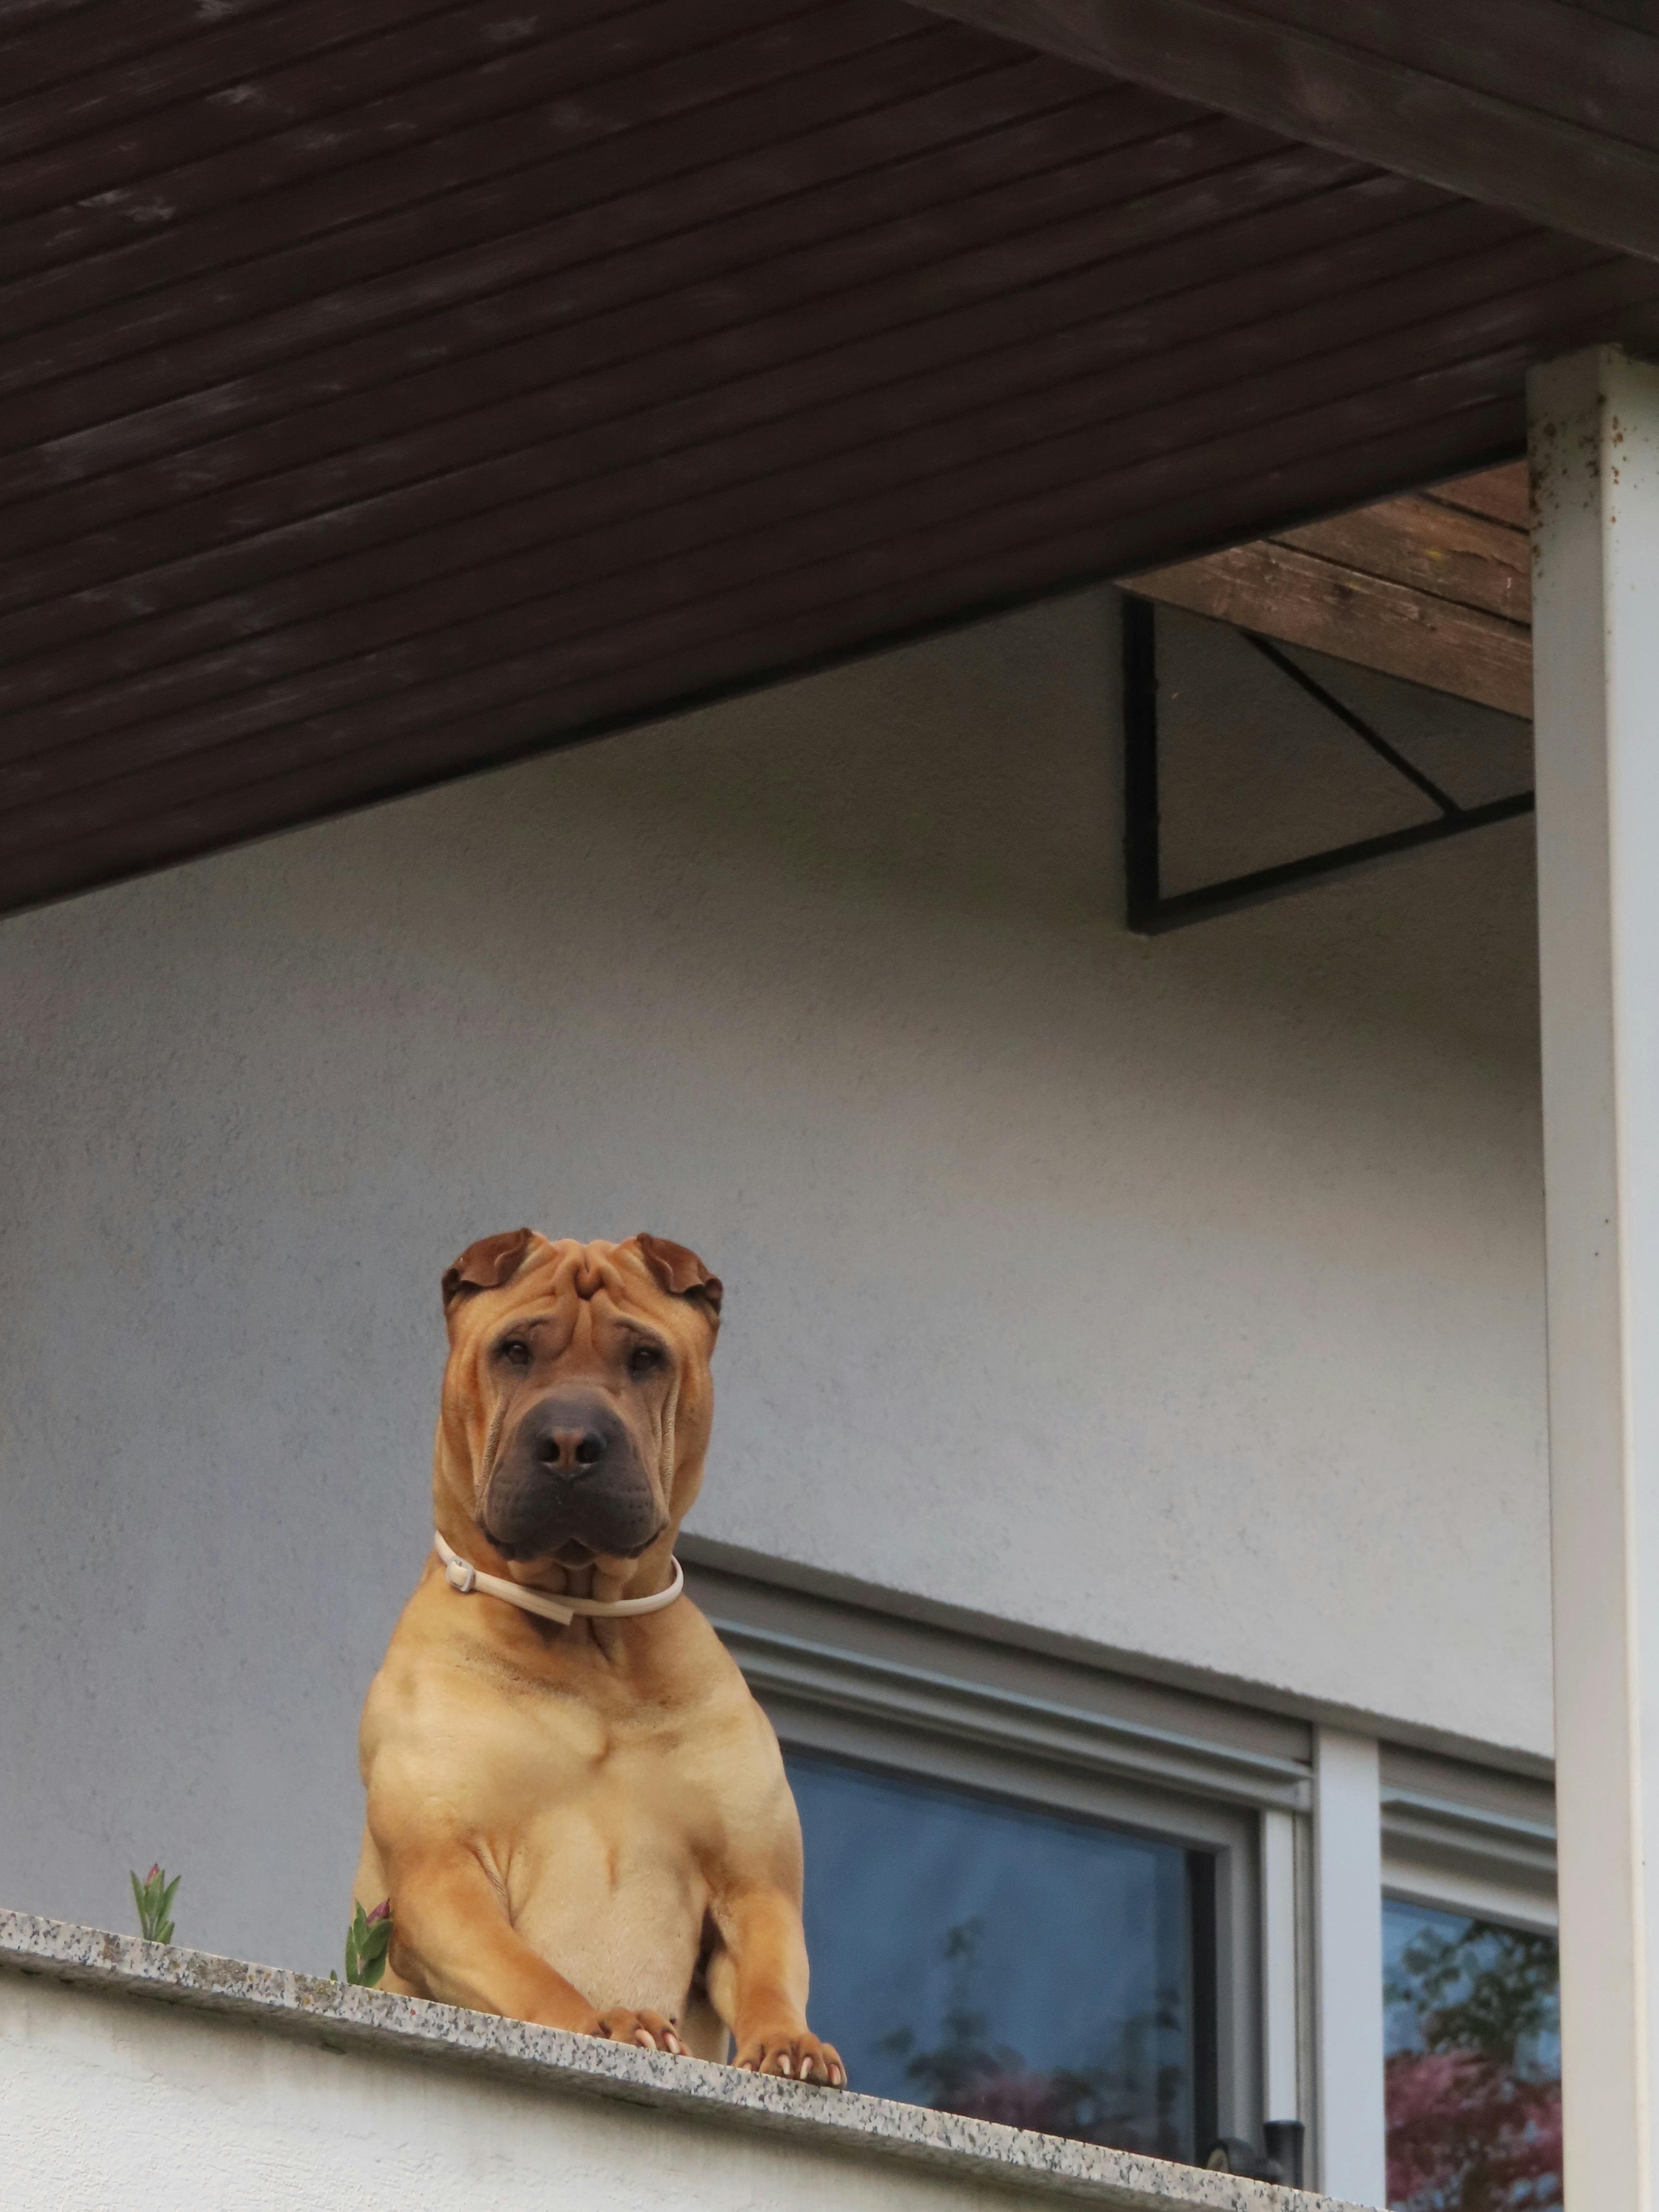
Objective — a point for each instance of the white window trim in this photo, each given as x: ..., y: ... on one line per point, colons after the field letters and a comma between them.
x: 1352, y: 2161
x: 1446, y: 1892
x: 840, y: 1678
x: 1466, y: 1839
x: 1284, y: 1964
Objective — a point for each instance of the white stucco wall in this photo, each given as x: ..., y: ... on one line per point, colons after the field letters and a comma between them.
x: 1184, y: 1296
x: 113, y: 2106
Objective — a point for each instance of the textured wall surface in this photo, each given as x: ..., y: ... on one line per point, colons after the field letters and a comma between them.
x: 1184, y: 1296
x: 113, y: 2106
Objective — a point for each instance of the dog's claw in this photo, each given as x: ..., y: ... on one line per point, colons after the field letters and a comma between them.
x: 647, y: 2031
x: 792, y: 2056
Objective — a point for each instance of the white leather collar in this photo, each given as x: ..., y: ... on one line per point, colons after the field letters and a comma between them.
x: 461, y: 1574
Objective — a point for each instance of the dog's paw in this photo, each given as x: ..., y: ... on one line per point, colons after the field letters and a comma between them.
x: 648, y: 2029
x: 798, y: 2057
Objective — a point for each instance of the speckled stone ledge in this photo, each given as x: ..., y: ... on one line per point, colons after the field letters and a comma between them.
x: 335, y: 2015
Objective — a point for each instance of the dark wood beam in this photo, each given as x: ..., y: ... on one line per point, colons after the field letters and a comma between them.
x: 1535, y: 105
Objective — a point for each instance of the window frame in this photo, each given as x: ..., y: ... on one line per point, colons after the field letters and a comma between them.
x: 1226, y: 2087
x: 1467, y: 1840
x: 919, y: 1697
x: 1458, y: 1837
x: 916, y: 1687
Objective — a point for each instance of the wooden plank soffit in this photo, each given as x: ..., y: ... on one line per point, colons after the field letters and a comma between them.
x: 1500, y: 494
x: 1328, y: 89
x: 1425, y: 587
x: 1431, y: 548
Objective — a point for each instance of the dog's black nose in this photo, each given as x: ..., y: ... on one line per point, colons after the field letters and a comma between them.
x: 571, y: 1451
x: 573, y: 1435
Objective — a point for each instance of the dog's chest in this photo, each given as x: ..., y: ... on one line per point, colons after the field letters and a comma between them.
x: 605, y: 1881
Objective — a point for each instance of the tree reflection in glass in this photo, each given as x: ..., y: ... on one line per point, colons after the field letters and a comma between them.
x: 1474, y: 2066
x: 994, y: 1959
x: 1105, y: 2103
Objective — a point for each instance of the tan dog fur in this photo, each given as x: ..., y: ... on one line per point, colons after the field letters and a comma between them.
x: 588, y: 1826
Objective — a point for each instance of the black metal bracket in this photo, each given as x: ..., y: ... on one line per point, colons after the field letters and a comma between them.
x: 1280, y: 2159
x: 1149, y: 910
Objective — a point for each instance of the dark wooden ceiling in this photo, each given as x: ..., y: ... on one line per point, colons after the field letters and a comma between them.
x: 391, y: 388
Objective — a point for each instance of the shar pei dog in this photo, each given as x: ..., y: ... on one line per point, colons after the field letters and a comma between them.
x: 576, y: 1810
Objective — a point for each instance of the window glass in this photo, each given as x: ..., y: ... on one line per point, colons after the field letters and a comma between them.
x: 986, y: 1957
x: 1473, y: 2064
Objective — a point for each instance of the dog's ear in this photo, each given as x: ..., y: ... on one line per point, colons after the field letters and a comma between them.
x: 681, y: 1271
x: 486, y: 1265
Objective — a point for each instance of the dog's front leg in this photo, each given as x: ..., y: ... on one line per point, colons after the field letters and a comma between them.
x: 757, y: 1981
x: 451, y: 1941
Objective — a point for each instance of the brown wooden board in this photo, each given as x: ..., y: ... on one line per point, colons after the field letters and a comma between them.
x: 1275, y: 590
x: 386, y: 392
x: 1500, y: 494
x: 1429, y: 546
x: 1434, y: 586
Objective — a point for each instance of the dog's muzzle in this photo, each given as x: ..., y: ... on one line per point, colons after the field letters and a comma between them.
x: 570, y: 1472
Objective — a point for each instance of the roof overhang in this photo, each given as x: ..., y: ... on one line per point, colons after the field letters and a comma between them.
x: 392, y: 391
x: 1543, y: 107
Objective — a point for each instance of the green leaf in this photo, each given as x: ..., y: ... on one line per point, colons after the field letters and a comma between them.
x: 367, y: 1944
x: 153, y: 1897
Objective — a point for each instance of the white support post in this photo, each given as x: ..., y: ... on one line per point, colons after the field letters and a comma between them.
x: 1596, y: 649
x: 1348, y: 1951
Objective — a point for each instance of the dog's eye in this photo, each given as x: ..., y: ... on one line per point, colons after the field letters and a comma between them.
x: 515, y: 1351
x: 644, y: 1359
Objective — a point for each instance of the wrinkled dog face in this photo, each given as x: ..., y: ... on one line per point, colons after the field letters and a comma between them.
x: 581, y: 1454
x: 579, y: 1357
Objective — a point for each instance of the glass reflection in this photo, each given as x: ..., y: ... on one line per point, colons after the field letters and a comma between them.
x: 984, y: 1957
x: 1474, y: 2065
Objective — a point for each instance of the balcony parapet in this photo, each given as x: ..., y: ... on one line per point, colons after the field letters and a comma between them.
x: 155, y: 2075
